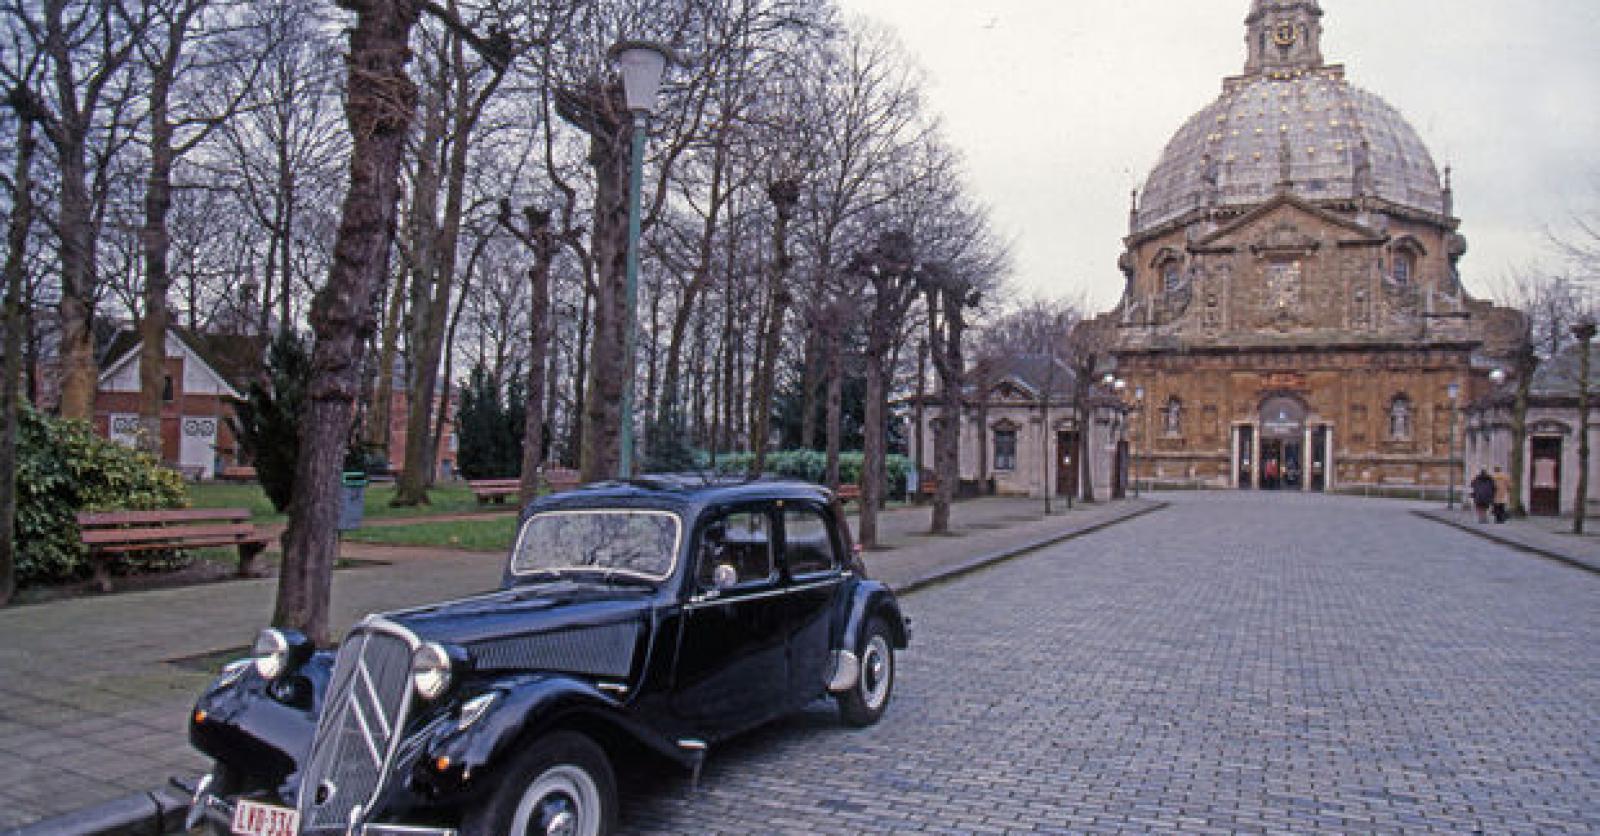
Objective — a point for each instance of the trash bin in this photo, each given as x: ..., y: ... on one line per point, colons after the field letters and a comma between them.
x: 355, y: 500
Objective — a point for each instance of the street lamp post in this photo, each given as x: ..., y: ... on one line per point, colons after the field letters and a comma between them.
x: 642, y: 64
x: 1453, y: 391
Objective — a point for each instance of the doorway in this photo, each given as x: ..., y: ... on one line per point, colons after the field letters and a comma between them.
x: 1067, y: 464
x: 1280, y: 464
x: 1544, y: 489
x: 1119, y: 472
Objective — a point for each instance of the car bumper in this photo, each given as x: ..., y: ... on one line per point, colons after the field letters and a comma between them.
x: 211, y: 809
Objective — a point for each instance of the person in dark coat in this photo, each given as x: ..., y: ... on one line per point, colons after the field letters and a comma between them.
x: 1482, y: 494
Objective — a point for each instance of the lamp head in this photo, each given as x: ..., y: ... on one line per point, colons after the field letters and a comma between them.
x: 642, y: 64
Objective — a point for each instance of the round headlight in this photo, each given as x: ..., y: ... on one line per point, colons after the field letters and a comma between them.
x: 430, y: 670
x: 271, y: 652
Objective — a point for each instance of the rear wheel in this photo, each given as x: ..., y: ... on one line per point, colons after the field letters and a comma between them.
x: 864, y: 704
x: 562, y: 785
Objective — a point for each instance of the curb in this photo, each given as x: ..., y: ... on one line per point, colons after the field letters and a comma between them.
x: 1558, y: 557
x: 160, y: 812
x: 984, y: 561
x: 141, y: 814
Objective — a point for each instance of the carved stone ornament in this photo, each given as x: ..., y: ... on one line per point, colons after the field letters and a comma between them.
x: 1284, y: 239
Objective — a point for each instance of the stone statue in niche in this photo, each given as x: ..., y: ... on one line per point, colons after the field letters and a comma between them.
x: 1172, y: 417
x: 1400, y: 419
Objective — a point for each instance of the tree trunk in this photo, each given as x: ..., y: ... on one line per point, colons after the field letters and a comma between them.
x: 833, y: 420
x: 1527, y: 363
x: 600, y: 448
x: 157, y: 243
x: 784, y: 194
x: 380, y: 100
x: 378, y: 416
x: 11, y: 362
x: 946, y: 327
x: 1584, y: 332
x: 872, y: 431
x: 541, y: 240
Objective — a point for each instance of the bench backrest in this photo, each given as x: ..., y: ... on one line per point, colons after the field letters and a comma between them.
x: 171, y: 516
x: 494, y: 483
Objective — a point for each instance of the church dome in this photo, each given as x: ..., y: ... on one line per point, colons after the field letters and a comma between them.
x: 1339, y: 141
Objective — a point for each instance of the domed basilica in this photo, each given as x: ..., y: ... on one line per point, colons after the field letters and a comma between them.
x: 1293, y: 315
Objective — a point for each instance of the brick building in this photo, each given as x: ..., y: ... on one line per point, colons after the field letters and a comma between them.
x: 205, y: 375
x: 1293, y: 315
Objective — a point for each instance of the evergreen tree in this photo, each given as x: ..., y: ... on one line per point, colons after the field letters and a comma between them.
x: 268, y: 425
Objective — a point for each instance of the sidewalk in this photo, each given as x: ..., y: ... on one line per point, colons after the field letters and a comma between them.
x: 1549, y: 537
x: 95, y: 692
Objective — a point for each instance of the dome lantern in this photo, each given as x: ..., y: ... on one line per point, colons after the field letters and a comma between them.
x: 1283, y: 37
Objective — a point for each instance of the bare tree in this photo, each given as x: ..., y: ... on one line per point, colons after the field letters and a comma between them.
x: 189, y: 96
x: 380, y: 101
x: 20, y: 185
x: 536, y: 235
x: 87, y: 48
x: 457, y: 91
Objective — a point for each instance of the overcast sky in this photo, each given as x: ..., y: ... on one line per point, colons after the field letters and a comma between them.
x: 1062, y: 106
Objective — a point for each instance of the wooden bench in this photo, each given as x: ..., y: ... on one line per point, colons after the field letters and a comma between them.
x: 927, y: 486
x: 494, y: 489
x: 848, y: 492
x: 562, y: 479
x: 129, y: 532
x: 237, y: 473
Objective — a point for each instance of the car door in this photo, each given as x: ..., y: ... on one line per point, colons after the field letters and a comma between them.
x: 814, y: 585
x: 732, y: 666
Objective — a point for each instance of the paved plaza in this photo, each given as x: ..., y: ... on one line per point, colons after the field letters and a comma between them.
x: 1238, y: 662
x: 1230, y: 662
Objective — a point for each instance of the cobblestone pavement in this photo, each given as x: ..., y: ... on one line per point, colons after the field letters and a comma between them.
x: 1239, y: 662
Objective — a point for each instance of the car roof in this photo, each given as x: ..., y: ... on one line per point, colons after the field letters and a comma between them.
x: 683, y: 492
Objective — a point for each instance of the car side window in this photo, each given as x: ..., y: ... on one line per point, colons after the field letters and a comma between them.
x: 735, y: 550
x: 807, y: 546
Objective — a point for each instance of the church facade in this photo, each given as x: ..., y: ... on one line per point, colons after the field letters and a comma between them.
x: 1293, y: 315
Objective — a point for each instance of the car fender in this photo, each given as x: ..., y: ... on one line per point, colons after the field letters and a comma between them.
x: 872, y: 598
x: 527, y: 705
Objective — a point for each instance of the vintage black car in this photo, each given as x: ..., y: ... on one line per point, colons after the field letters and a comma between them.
x: 636, y: 621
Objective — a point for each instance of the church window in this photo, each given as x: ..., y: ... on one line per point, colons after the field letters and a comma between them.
x: 166, y: 388
x: 1172, y: 416
x: 1405, y: 266
x: 1005, y: 449
x: 1400, y: 418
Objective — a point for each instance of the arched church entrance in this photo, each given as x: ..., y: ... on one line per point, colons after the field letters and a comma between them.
x: 1283, y: 429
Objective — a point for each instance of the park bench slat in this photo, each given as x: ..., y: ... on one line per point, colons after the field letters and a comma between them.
x: 98, y: 519
x: 171, y: 534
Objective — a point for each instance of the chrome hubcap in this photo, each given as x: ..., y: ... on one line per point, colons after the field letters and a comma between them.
x: 562, y: 801
x: 877, y: 672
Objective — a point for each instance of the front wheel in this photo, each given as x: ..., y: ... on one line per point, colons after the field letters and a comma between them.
x: 562, y: 785
x: 864, y: 704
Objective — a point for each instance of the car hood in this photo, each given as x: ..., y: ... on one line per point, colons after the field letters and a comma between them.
x: 577, y: 628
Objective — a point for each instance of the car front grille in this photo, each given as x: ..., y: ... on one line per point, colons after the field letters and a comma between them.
x: 363, y: 717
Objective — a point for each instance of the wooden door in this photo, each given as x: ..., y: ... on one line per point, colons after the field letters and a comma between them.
x: 1544, y: 483
x: 1067, y: 464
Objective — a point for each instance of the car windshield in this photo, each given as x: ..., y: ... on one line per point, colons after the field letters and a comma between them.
x: 633, y: 542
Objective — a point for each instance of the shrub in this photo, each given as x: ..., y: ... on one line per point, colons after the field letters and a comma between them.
x: 64, y: 468
x: 812, y: 466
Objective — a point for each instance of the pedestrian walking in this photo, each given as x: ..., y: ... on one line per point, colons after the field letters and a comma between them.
x: 1482, y: 494
x: 1502, y: 493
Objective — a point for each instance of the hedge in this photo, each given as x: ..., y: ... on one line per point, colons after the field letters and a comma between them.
x: 64, y: 468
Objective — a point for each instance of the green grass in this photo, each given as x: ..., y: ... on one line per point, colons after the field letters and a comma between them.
x: 444, y: 499
x: 487, y: 535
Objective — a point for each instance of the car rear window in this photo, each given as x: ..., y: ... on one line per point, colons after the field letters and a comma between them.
x: 630, y: 541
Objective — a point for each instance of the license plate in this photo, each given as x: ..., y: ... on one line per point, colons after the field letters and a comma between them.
x: 252, y: 818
